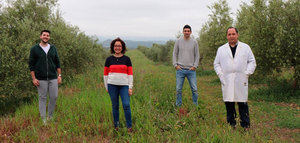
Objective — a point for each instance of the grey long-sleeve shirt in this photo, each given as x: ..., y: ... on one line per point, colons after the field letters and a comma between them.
x: 186, y: 53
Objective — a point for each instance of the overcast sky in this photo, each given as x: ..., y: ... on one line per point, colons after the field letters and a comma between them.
x: 138, y: 19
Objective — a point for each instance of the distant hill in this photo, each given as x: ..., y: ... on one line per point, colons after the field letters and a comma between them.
x: 133, y: 44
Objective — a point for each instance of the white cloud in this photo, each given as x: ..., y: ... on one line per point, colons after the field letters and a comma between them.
x: 138, y: 18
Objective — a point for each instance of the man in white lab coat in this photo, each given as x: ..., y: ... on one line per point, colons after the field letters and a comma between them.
x: 234, y: 63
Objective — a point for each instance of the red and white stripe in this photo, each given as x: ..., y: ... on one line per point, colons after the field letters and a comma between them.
x: 118, y: 75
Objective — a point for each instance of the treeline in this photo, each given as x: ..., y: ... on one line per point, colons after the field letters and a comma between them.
x: 20, y: 24
x: 159, y: 52
x: 270, y: 27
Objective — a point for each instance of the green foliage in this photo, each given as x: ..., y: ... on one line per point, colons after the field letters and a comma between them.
x: 20, y: 24
x: 213, y: 32
x: 276, y: 91
x: 271, y: 28
x: 206, y: 72
x: 272, y: 31
x: 84, y: 113
x: 159, y: 52
x: 289, y: 119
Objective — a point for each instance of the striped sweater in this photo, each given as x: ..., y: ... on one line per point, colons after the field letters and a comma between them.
x: 118, y: 71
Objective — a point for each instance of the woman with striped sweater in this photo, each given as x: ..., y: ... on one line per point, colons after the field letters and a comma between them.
x: 118, y: 81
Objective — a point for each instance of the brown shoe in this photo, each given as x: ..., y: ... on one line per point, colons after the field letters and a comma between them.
x: 129, y: 130
x: 182, y: 112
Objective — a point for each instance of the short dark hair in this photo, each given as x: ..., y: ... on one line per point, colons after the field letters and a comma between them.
x: 233, y: 28
x: 45, y: 30
x: 187, y: 26
x: 112, y: 44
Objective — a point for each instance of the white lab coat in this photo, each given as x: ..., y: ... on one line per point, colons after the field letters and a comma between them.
x: 234, y: 72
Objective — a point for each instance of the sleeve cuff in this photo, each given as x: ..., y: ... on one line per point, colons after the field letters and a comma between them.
x: 247, y: 73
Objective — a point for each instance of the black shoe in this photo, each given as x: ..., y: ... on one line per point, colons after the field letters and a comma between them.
x: 233, y: 127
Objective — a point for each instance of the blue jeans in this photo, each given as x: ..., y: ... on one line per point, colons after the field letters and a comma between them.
x: 191, y: 76
x: 114, y: 92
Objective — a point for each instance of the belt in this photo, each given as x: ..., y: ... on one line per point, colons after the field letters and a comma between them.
x: 185, y: 68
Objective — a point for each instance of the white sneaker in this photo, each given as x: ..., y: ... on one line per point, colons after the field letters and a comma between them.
x: 45, y: 121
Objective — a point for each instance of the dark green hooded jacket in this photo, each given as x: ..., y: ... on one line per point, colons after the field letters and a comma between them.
x: 44, y: 65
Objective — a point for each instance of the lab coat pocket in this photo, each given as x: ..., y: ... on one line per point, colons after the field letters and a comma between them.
x: 245, y: 79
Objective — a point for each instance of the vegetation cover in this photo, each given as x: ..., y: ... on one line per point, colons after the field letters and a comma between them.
x: 21, y: 22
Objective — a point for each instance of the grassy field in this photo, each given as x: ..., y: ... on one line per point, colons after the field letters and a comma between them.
x: 83, y: 113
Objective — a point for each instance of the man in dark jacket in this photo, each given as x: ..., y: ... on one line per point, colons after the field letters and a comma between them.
x: 45, y: 71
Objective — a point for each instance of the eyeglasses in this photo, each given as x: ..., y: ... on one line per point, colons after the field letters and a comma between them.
x: 117, y: 45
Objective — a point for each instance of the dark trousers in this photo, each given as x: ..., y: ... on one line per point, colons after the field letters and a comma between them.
x: 244, y: 113
x: 116, y: 91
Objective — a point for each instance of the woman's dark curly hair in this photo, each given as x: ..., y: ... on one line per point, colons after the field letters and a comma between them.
x: 112, y: 44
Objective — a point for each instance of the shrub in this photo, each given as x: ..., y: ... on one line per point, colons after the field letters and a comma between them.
x: 20, y: 24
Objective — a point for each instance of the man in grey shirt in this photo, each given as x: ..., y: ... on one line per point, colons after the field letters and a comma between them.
x: 185, y: 60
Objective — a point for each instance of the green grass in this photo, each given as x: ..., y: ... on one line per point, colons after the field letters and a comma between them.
x: 278, y: 91
x: 83, y: 113
x: 206, y: 72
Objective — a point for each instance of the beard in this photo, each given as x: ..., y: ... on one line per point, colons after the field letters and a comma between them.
x: 45, y: 42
